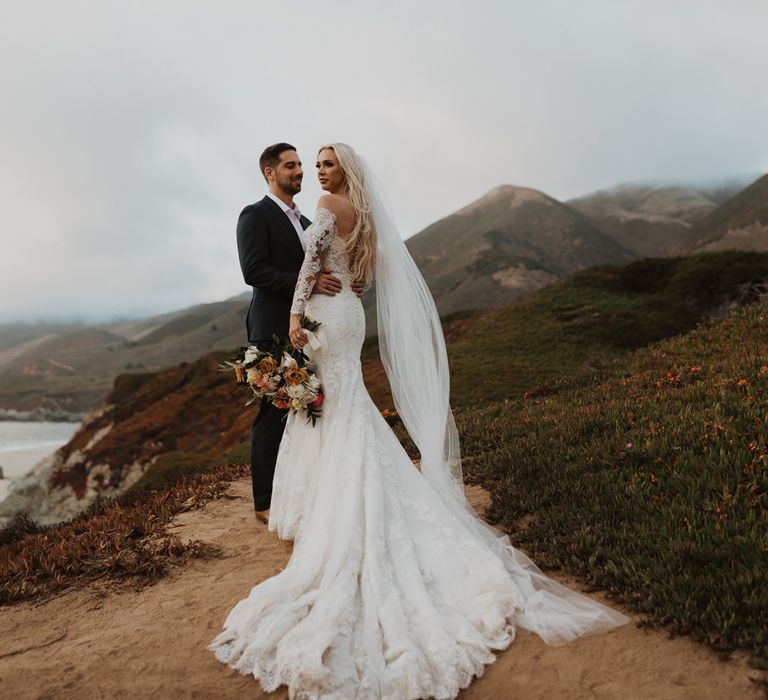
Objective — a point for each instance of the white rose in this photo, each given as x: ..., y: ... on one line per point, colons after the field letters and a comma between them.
x: 250, y: 355
x: 295, y: 392
x: 314, y: 382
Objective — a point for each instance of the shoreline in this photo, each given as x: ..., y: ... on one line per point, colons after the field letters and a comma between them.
x: 40, y: 417
x: 20, y: 461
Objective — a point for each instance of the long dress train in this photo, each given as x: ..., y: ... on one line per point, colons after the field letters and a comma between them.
x: 390, y: 591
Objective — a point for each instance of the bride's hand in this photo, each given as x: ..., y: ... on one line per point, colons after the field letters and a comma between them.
x: 296, y: 333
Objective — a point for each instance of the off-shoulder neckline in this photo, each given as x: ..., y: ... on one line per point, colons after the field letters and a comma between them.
x: 332, y: 217
x: 327, y: 211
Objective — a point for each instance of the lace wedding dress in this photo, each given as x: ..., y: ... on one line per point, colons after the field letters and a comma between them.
x: 391, y: 591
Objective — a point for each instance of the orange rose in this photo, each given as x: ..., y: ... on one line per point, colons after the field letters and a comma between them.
x: 295, y: 376
x: 267, y: 365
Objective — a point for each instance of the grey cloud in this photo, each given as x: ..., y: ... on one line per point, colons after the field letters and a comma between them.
x: 131, y: 133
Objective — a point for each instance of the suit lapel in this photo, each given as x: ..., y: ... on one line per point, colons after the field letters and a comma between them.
x: 282, y: 220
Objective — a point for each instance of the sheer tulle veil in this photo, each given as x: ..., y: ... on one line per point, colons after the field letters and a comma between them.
x: 413, y: 351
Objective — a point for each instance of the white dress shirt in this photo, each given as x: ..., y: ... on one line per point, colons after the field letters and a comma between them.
x: 293, y: 214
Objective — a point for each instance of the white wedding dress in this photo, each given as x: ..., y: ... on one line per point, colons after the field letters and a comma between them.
x: 392, y: 590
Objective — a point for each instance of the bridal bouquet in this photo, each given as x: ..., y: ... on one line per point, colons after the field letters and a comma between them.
x: 280, y: 373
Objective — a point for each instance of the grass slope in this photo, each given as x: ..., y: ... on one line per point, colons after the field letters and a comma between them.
x: 579, y: 325
x: 652, y: 482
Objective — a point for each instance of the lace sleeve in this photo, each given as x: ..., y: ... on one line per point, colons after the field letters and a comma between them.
x: 318, y: 238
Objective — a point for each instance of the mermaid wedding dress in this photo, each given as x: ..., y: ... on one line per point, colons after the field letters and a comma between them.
x: 394, y: 590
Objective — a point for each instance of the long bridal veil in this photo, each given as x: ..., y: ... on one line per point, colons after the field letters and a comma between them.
x: 413, y: 351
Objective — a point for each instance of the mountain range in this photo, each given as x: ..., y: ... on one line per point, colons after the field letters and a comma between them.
x: 505, y: 245
x: 510, y: 242
x: 68, y: 373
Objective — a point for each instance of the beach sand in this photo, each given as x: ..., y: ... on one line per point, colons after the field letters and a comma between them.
x: 106, y: 641
x: 16, y: 463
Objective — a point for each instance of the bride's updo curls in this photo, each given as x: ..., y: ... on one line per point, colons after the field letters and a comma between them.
x: 361, y: 243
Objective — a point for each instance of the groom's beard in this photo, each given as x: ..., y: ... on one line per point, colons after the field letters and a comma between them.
x: 291, y: 188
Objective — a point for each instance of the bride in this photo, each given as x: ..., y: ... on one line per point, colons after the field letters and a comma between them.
x: 395, y: 589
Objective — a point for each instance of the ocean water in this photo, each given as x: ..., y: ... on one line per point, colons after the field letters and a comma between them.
x: 23, y: 435
x: 23, y: 444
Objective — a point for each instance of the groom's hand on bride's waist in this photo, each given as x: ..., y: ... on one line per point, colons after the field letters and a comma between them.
x: 330, y: 285
x: 326, y: 283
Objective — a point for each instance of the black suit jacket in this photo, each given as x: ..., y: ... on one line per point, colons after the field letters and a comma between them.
x: 270, y: 257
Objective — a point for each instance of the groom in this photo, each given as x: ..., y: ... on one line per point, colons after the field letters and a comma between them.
x: 270, y: 243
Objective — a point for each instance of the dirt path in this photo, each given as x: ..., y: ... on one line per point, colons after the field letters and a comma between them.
x: 103, y: 642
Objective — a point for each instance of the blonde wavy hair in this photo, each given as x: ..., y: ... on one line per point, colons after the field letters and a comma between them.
x: 361, y: 243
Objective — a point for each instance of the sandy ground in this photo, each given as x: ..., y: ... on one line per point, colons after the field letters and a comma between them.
x: 104, y: 641
x: 16, y: 463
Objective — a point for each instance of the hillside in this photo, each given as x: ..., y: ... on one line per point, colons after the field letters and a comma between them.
x: 17, y: 334
x: 508, y: 243
x: 645, y: 219
x: 583, y: 323
x: 18, y: 348
x: 627, y: 202
x: 740, y: 223
x: 66, y: 352
x: 650, y: 479
x: 651, y: 220
x: 502, y: 247
x: 154, y: 426
x: 639, y: 468
x: 73, y: 372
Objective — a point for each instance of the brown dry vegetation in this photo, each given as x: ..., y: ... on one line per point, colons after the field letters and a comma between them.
x: 123, y: 539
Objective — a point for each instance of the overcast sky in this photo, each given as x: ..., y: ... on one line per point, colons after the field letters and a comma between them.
x: 130, y: 132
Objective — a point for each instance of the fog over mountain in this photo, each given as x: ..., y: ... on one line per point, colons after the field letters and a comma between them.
x: 131, y: 133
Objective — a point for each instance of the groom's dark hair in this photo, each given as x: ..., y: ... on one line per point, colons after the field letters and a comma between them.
x: 271, y: 156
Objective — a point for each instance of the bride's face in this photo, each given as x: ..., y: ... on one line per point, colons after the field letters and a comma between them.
x: 329, y: 171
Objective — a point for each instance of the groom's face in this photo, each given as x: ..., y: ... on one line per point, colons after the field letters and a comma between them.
x: 287, y: 174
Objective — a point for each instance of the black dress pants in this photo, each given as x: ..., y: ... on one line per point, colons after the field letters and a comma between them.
x: 266, y: 433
